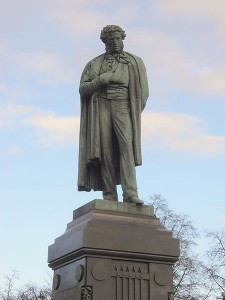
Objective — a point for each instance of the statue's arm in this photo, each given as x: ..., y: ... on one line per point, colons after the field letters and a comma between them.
x: 90, y: 82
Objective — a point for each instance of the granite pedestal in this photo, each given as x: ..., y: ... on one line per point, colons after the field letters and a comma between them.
x: 113, y: 251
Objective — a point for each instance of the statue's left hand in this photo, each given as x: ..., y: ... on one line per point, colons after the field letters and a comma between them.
x: 106, y: 77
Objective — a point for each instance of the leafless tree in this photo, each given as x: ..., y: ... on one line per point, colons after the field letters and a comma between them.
x: 33, y: 292
x: 195, y: 277
x: 29, y: 291
x: 8, y: 291
x: 189, y: 275
x: 216, y: 258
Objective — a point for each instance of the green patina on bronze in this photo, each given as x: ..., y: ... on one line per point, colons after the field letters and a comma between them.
x: 114, y: 91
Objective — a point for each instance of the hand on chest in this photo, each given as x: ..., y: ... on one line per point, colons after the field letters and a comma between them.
x: 120, y: 71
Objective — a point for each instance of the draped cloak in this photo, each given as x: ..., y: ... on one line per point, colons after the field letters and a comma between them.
x: 89, y: 170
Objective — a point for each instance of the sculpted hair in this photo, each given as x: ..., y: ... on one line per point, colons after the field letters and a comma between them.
x: 109, y: 29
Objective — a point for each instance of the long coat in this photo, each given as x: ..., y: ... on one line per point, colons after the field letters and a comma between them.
x: 89, y: 172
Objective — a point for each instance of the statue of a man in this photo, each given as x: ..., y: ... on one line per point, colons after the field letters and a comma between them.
x: 114, y: 91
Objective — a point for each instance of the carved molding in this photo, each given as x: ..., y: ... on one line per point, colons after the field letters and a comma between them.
x: 130, y: 272
x: 79, y: 273
x: 99, y: 271
x: 170, y: 296
x: 161, y: 277
x: 131, y: 282
x: 56, y: 281
x: 86, y: 292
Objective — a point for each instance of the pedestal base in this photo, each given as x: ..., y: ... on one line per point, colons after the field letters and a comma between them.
x: 113, y: 251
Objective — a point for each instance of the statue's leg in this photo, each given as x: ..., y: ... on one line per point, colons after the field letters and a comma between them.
x: 107, y: 157
x: 123, y: 129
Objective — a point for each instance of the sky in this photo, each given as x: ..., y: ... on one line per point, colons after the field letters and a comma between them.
x: 44, y: 46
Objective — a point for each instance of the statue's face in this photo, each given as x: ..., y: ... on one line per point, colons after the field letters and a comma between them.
x: 114, y: 42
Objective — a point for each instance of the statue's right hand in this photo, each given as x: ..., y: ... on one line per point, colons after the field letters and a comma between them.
x: 106, y: 77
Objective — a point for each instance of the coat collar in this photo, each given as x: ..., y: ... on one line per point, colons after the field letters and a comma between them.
x: 97, y: 63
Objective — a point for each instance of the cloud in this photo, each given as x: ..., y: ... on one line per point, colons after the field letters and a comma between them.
x: 14, y: 150
x: 54, y: 130
x: 4, y: 88
x: 46, y: 67
x: 76, y: 20
x: 181, y: 133
x: 161, y: 130
x: 11, y: 114
x: 12, y: 92
x: 203, y: 10
x: 204, y: 19
x: 166, y: 58
x: 49, y: 128
x: 83, y: 18
x: 207, y: 80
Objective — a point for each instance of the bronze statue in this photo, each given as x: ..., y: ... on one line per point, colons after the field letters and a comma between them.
x: 114, y: 91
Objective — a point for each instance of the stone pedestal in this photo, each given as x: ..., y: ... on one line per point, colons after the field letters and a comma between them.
x: 113, y: 251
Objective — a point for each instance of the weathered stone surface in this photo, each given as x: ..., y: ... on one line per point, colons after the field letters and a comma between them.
x: 113, y: 206
x: 113, y: 249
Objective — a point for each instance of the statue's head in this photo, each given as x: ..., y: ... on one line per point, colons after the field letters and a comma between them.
x: 113, y: 36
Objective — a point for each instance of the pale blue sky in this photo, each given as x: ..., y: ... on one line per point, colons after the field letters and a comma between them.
x: 44, y: 45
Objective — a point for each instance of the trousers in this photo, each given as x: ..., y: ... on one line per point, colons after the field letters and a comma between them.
x: 115, y: 118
